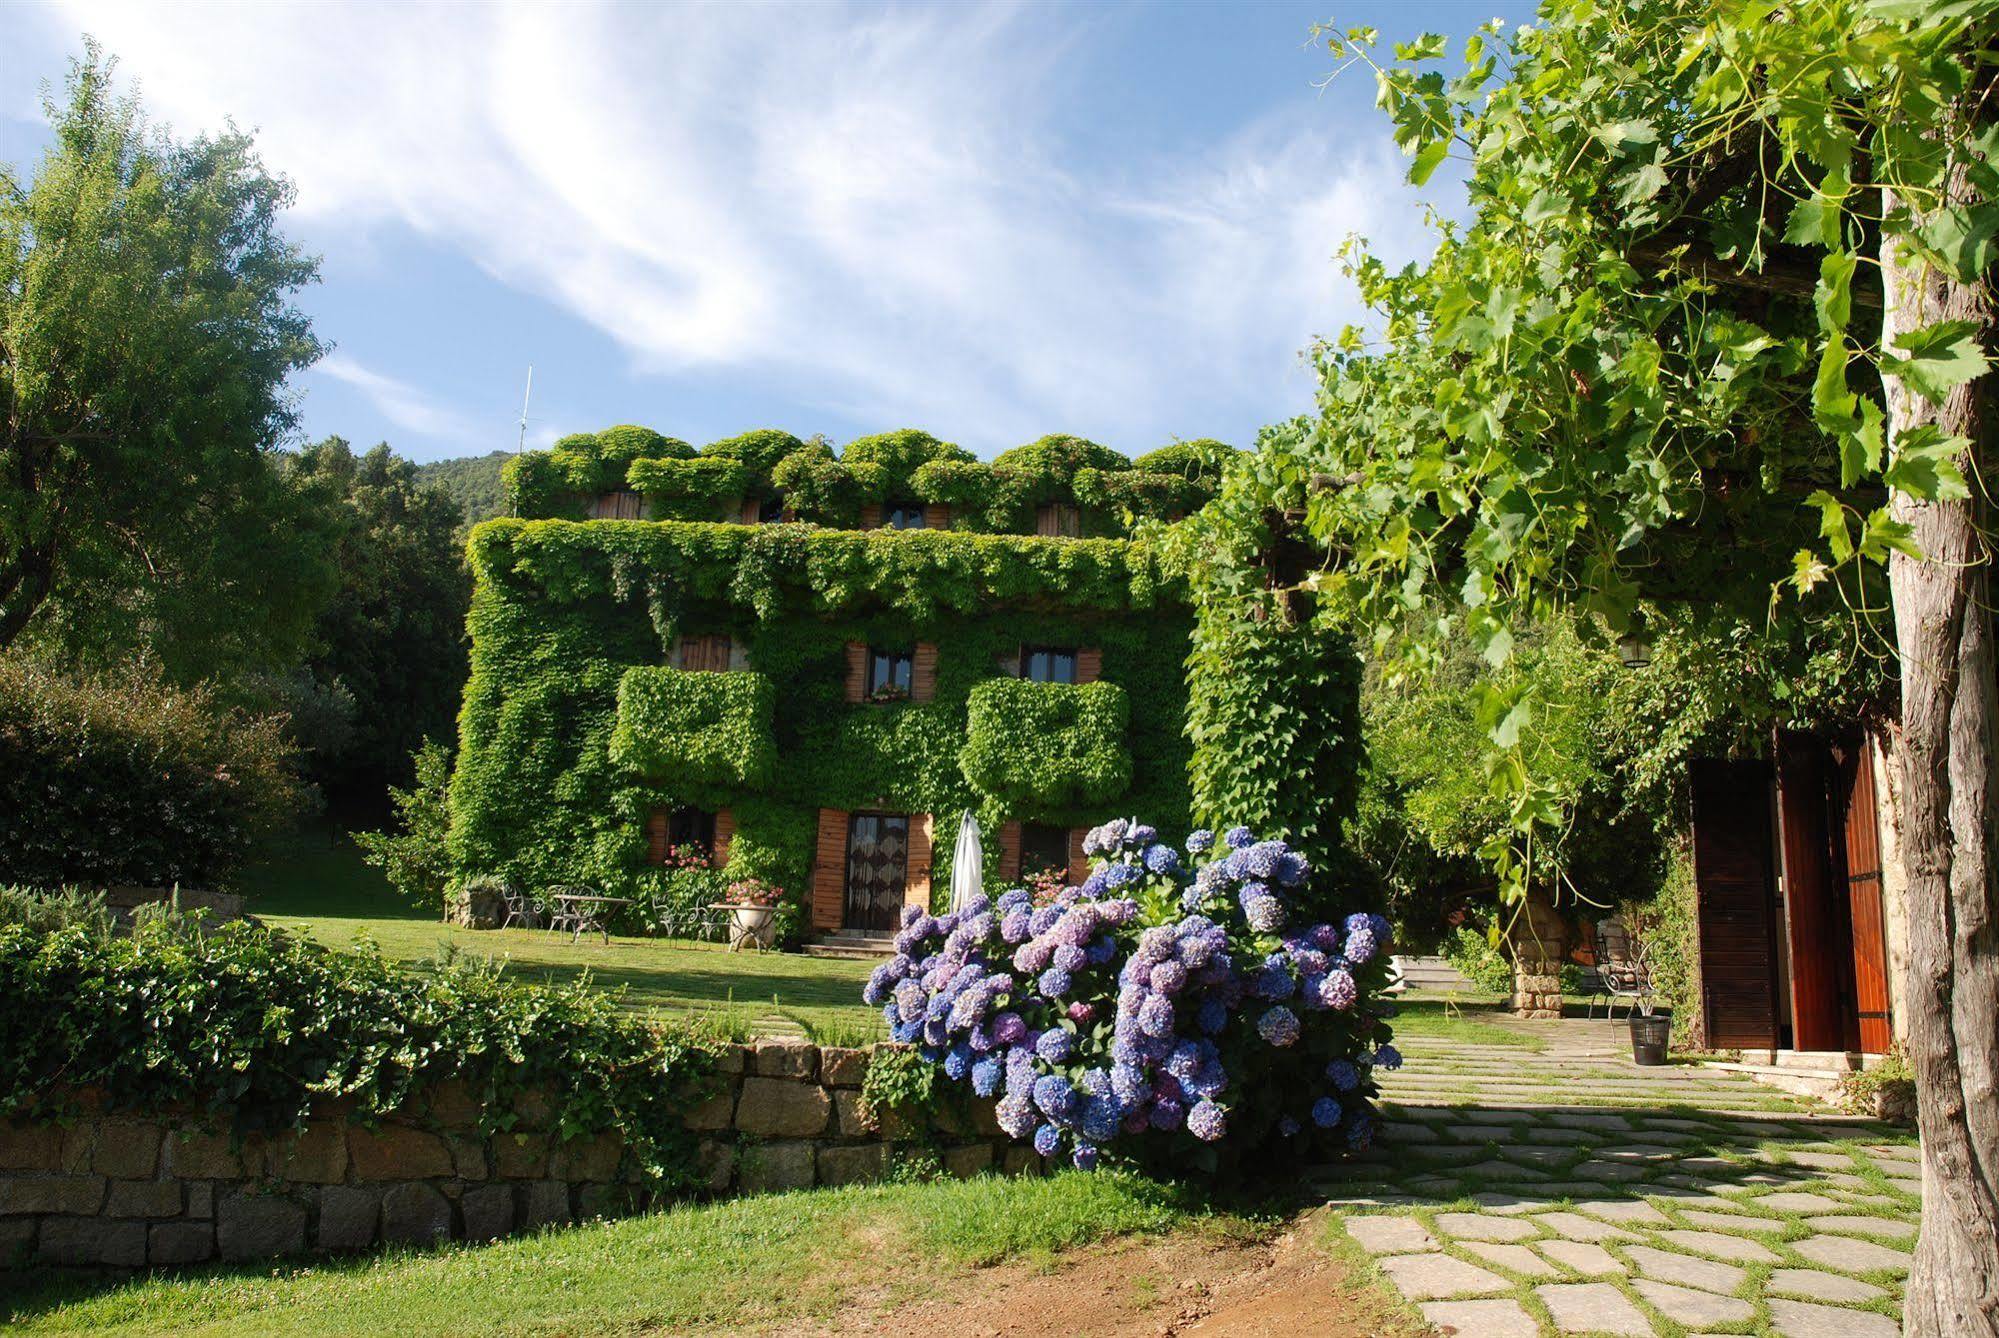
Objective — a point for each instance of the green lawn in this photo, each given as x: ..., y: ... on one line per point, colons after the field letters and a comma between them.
x: 319, y: 886
x: 1427, y: 1018
x: 747, y: 1263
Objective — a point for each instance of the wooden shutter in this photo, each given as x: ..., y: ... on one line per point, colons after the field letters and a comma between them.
x: 829, y: 870
x: 1814, y: 917
x: 857, y: 671
x: 1089, y: 664
x: 1009, y: 860
x: 725, y: 832
x: 936, y: 516
x: 1735, y: 903
x: 1861, y: 839
x: 871, y: 515
x: 1079, y: 863
x: 923, y: 673
x: 916, y: 876
x: 748, y: 512
x: 656, y: 836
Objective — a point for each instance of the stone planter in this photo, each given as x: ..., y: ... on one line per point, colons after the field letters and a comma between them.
x: 750, y: 926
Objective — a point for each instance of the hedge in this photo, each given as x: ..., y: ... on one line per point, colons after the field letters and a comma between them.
x: 250, y: 1026
x: 124, y: 780
x: 1046, y: 745
x: 694, y: 728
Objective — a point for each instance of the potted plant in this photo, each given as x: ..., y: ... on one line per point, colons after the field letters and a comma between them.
x: 752, y: 906
x: 1650, y: 1032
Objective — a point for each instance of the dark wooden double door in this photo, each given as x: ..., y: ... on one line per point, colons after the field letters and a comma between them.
x: 877, y: 871
x: 1807, y: 815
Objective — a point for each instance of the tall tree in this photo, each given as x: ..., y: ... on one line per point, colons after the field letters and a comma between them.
x: 147, y: 326
x: 392, y: 637
x: 1717, y: 326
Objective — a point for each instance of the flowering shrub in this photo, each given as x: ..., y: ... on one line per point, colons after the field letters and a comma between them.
x: 1164, y: 1006
x: 754, y: 892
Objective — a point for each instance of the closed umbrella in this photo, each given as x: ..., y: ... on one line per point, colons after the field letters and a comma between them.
x: 968, y: 863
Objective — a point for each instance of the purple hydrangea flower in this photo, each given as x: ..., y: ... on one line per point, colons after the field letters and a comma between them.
x: 1167, y: 1114
x: 1055, y: 1045
x: 1207, y: 1121
x: 1264, y: 914
x: 1155, y: 1016
x: 1054, y: 982
x: 1069, y: 957
x: 1014, y: 927
x: 1279, y: 1026
x: 1128, y: 1082
x: 1169, y: 977
x: 1238, y: 837
x: 1043, y: 919
x: 911, y: 914
x: 1008, y: 1029
x: 1019, y: 899
x: 1054, y: 1096
x: 1388, y: 1057
x: 1338, y: 990
x: 1212, y: 1016
x: 1263, y: 858
x: 1360, y: 945
x: 1273, y: 982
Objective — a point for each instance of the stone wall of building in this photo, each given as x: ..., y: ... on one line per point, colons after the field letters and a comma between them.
x: 113, y: 1190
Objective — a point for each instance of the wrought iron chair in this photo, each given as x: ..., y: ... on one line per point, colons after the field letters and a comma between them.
x: 1621, y: 969
x: 520, y: 906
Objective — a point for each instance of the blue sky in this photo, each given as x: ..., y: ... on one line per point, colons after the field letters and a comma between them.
x: 989, y: 221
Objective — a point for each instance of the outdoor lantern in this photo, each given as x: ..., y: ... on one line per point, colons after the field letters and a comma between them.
x: 1634, y: 649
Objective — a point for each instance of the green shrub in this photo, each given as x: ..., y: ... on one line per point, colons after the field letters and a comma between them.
x: 698, y: 489
x: 696, y: 729
x: 1472, y: 955
x: 42, y: 911
x: 417, y: 859
x: 250, y: 1026
x: 122, y: 779
x: 1035, y: 747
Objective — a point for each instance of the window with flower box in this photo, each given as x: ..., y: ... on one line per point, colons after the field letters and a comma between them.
x: 890, y: 674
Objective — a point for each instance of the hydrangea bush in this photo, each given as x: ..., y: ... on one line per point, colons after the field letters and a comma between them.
x: 1169, y: 1009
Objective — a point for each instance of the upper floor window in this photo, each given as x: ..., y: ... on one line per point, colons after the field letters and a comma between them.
x: 1048, y: 664
x: 889, y: 674
x: 903, y: 518
x: 771, y: 510
x: 1058, y: 520
x: 706, y: 654
x: 616, y: 506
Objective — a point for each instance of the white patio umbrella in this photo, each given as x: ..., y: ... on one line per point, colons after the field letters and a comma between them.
x: 968, y: 863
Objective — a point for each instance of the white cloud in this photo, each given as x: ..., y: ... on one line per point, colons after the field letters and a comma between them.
x: 884, y: 212
x: 398, y: 401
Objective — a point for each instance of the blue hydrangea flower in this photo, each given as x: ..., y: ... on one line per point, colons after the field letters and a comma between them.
x: 1343, y: 1075
x: 958, y: 1063
x: 1238, y: 837
x: 1263, y: 858
x: 1043, y: 919
x: 1326, y: 1112
x: 1169, y: 977
x: 1360, y: 945
x: 1054, y: 982
x: 1101, y: 950
x: 1264, y: 914
x: 1272, y: 982
x: 1047, y: 1139
x: 1070, y: 957
x: 1162, y: 860
x: 1167, y: 1114
x: 986, y: 1075
x: 1288, y: 1127
x: 1019, y: 899
x: 1085, y: 1157
x: 1388, y: 1057
x: 1054, y: 1096
x: 1207, y: 1121
x: 1212, y: 1016
x: 1338, y: 990
x: 1128, y: 1082
x: 1100, y: 1119
x: 1055, y: 1045
x: 1200, y: 841
x: 1155, y: 1016
x: 1279, y: 1026
x: 1120, y: 875
x: 1360, y: 1133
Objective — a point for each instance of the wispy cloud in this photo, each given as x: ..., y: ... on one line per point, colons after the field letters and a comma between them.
x: 398, y: 401
x: 882, y: 210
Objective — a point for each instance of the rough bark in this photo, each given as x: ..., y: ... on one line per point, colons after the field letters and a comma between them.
x: 1944, y: 634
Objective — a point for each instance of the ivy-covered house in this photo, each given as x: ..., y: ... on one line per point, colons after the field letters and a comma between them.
x: 810, y: 663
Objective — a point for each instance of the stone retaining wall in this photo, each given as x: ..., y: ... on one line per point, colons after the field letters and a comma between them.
x: 124, y: 1192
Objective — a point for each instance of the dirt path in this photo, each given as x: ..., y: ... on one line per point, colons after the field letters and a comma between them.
x: 1185, y: 1284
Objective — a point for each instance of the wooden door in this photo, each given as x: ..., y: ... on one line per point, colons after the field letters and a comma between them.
x: 877, y: 871
x: 1861, y: 846
x: 1735, y: 887
x: 1814, y: 904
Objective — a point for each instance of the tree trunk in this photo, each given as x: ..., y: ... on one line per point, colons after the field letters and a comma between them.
x: 1944, y: 635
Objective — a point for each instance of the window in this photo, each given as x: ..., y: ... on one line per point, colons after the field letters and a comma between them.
x: 1047, y: 664
x: 903, y: 518
x: 704, y: 654
x: 889, y: 673
x: 673, y: 835
x: 770, y: 511
x: 1058, y: 520
x: 1042, y: 848
x: 616, y: 506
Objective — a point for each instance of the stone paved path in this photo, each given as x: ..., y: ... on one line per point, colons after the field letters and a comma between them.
x: 1570, y: 1192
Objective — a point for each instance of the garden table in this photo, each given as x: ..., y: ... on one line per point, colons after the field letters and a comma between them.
x: 581, y: 911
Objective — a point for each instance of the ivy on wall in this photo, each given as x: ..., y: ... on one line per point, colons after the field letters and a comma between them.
x: 573, y: 732
x: 1038, y: 746
x: 818, y: 485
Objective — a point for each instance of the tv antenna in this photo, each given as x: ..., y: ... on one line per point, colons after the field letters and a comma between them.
x: 521, y: 444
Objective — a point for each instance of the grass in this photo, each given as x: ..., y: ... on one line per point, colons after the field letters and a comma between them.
x: 318, y: 885
x: 1427, y: 1018
x: 741, y: 1264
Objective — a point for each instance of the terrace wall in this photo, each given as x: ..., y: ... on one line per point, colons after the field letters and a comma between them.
x: 113, y: 1190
